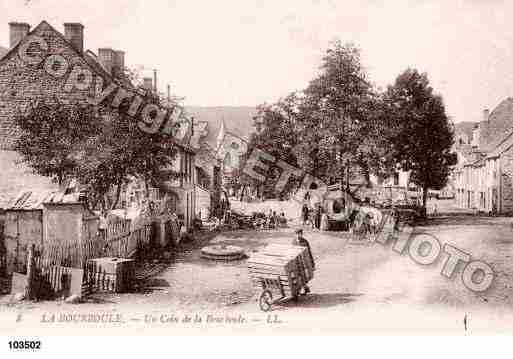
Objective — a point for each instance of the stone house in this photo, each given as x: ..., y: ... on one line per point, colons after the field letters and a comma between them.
x: 483, y: 176
x: 499, y: 177
x: 22, y: 83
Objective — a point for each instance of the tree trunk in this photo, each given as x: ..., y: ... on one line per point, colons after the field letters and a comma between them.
x: 29, y: 288
x: 424, y: 200
x: 118, y: 193
x: 242, y: 192
x: 147, y: 187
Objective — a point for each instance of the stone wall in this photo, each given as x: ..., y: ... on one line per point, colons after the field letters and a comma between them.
x: 21, y: 83
x: 506, y: 191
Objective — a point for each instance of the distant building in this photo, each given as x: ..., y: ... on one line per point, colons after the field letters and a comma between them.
x: 225, y: 131
x: 483, y: 176
x: 221, y: 137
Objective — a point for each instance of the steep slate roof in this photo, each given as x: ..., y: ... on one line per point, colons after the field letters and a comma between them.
x: 502, y: 146
x: 238, y: 121
x: 497, y: 127
x: 89, y: 59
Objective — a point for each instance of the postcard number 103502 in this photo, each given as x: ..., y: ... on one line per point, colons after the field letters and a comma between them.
x: 24, y: 344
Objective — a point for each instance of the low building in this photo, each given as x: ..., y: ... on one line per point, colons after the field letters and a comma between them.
x: 45, y: 219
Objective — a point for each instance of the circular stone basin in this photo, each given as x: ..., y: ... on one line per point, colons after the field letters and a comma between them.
x: 222, y: 252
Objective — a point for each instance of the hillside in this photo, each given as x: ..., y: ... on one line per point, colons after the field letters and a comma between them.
x: 238, y: 120
x: 465, y: 127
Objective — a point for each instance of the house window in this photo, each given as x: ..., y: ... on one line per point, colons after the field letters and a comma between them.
x: 396, y: 179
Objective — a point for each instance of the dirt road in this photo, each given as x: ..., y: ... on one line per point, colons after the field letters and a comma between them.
x: 358, y: 287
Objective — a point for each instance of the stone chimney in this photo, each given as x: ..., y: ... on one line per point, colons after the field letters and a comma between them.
x: 17, y: 31
x: 486, y: 114
x: 74, y: 33
x: 148, y: 84
x: 106, y: 57
x: 119, y: 61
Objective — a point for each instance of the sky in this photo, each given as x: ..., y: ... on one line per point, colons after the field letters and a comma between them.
x: 247, y: 52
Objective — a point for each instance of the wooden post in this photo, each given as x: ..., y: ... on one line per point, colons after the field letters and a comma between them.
x: 29, y: 288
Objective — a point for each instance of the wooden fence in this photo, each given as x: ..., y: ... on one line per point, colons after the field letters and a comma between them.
x: 3, y: 251
x: 61, y: 269
x: 3, y: 263
x: 120, y: 243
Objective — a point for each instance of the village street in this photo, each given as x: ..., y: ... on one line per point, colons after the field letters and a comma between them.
x: 357, y: 286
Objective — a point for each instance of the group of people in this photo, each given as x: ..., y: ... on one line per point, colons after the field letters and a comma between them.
x: 272, y: 220
x: 317, y: 218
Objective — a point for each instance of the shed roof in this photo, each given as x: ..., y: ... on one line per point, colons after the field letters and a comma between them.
x: 27, y: 200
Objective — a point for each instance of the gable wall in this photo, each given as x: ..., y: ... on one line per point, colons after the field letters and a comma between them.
x: 21, y: 83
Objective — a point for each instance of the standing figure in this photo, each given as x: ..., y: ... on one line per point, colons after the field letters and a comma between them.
x: 324, y: 222
x: 301, y: 241
x: 318, y: 217
x: 304, y: 212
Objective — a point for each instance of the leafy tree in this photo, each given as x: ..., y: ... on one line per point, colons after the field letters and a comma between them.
x: 52, y: 136
x: 336, y: 129
x: 278, y: 137
x: 423, y: 135
x: 121, y: 154
x: 103, y: 151
x: 342, y: 121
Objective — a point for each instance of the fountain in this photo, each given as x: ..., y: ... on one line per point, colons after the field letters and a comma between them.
x: 223, y: 252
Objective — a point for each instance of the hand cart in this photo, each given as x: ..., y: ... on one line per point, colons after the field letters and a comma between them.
x: 281, y: 272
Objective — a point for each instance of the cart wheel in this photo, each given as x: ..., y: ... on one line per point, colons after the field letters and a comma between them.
x: 305, y: 290
x: 266, y: 300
